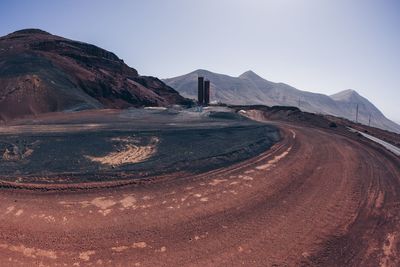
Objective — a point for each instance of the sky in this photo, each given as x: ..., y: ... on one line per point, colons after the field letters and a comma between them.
x: 323, y: 46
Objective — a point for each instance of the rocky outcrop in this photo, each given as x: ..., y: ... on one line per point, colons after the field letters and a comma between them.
x: 40, y: 72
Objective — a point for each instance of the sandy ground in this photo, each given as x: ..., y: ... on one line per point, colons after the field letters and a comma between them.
x: 314, y: 199
x: 132, y: 153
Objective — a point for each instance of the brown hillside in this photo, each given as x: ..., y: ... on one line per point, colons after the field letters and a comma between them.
x: 40, y: 73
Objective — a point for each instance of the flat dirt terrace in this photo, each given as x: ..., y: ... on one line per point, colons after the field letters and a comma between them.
x: 316, y: 198
x: 111, y: 145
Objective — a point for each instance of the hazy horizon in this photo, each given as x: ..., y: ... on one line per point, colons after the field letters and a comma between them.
x: 316, y: 46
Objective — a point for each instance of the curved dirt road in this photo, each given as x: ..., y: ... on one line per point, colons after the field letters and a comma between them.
x: 314, y: 199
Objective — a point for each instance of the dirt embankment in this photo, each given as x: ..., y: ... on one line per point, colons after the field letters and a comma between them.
x: 294, y: 115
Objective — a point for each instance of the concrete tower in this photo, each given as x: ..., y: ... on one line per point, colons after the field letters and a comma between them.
x: 207, y: 92
x: 200, y: 90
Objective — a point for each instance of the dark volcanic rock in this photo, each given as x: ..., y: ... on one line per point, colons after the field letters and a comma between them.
x: 40, y: 72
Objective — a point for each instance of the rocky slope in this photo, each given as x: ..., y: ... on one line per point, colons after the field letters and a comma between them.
x: 40, y: 73
x: 251, y: 89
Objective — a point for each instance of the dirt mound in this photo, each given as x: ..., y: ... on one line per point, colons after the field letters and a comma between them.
x: 40, y: 73
x: 101, y: 145
x: 131, y: 152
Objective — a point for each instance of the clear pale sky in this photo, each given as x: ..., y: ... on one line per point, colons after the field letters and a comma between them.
x: 315, y: 45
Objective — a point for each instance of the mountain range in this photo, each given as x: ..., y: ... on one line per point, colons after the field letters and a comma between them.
x: 250, y: 89
x: 41, y: 72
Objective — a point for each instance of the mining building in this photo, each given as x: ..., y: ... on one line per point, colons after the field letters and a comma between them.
x: 203, y: 91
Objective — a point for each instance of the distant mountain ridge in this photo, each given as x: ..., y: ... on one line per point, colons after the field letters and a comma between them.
x: 249, y: 89
x: 41, y: 72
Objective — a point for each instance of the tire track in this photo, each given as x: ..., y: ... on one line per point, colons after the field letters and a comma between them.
x: 323, y: 199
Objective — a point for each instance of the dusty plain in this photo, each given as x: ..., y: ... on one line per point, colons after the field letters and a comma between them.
x: 311, y: 196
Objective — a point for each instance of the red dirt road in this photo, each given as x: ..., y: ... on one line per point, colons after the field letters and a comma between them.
x: 316, y: 198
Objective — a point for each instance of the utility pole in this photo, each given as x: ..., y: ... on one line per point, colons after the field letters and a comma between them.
x: 369, y: 120
x: 357, y: 114
x: 299, y: 103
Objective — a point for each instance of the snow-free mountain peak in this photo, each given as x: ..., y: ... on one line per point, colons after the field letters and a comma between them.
x: 348, y: 95
x: 30, y: 31
x: 249, y: 75
x: 201, y: 72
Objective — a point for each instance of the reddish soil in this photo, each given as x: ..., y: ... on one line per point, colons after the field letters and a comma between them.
x: 296, y: 116
x: 317, y: 198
